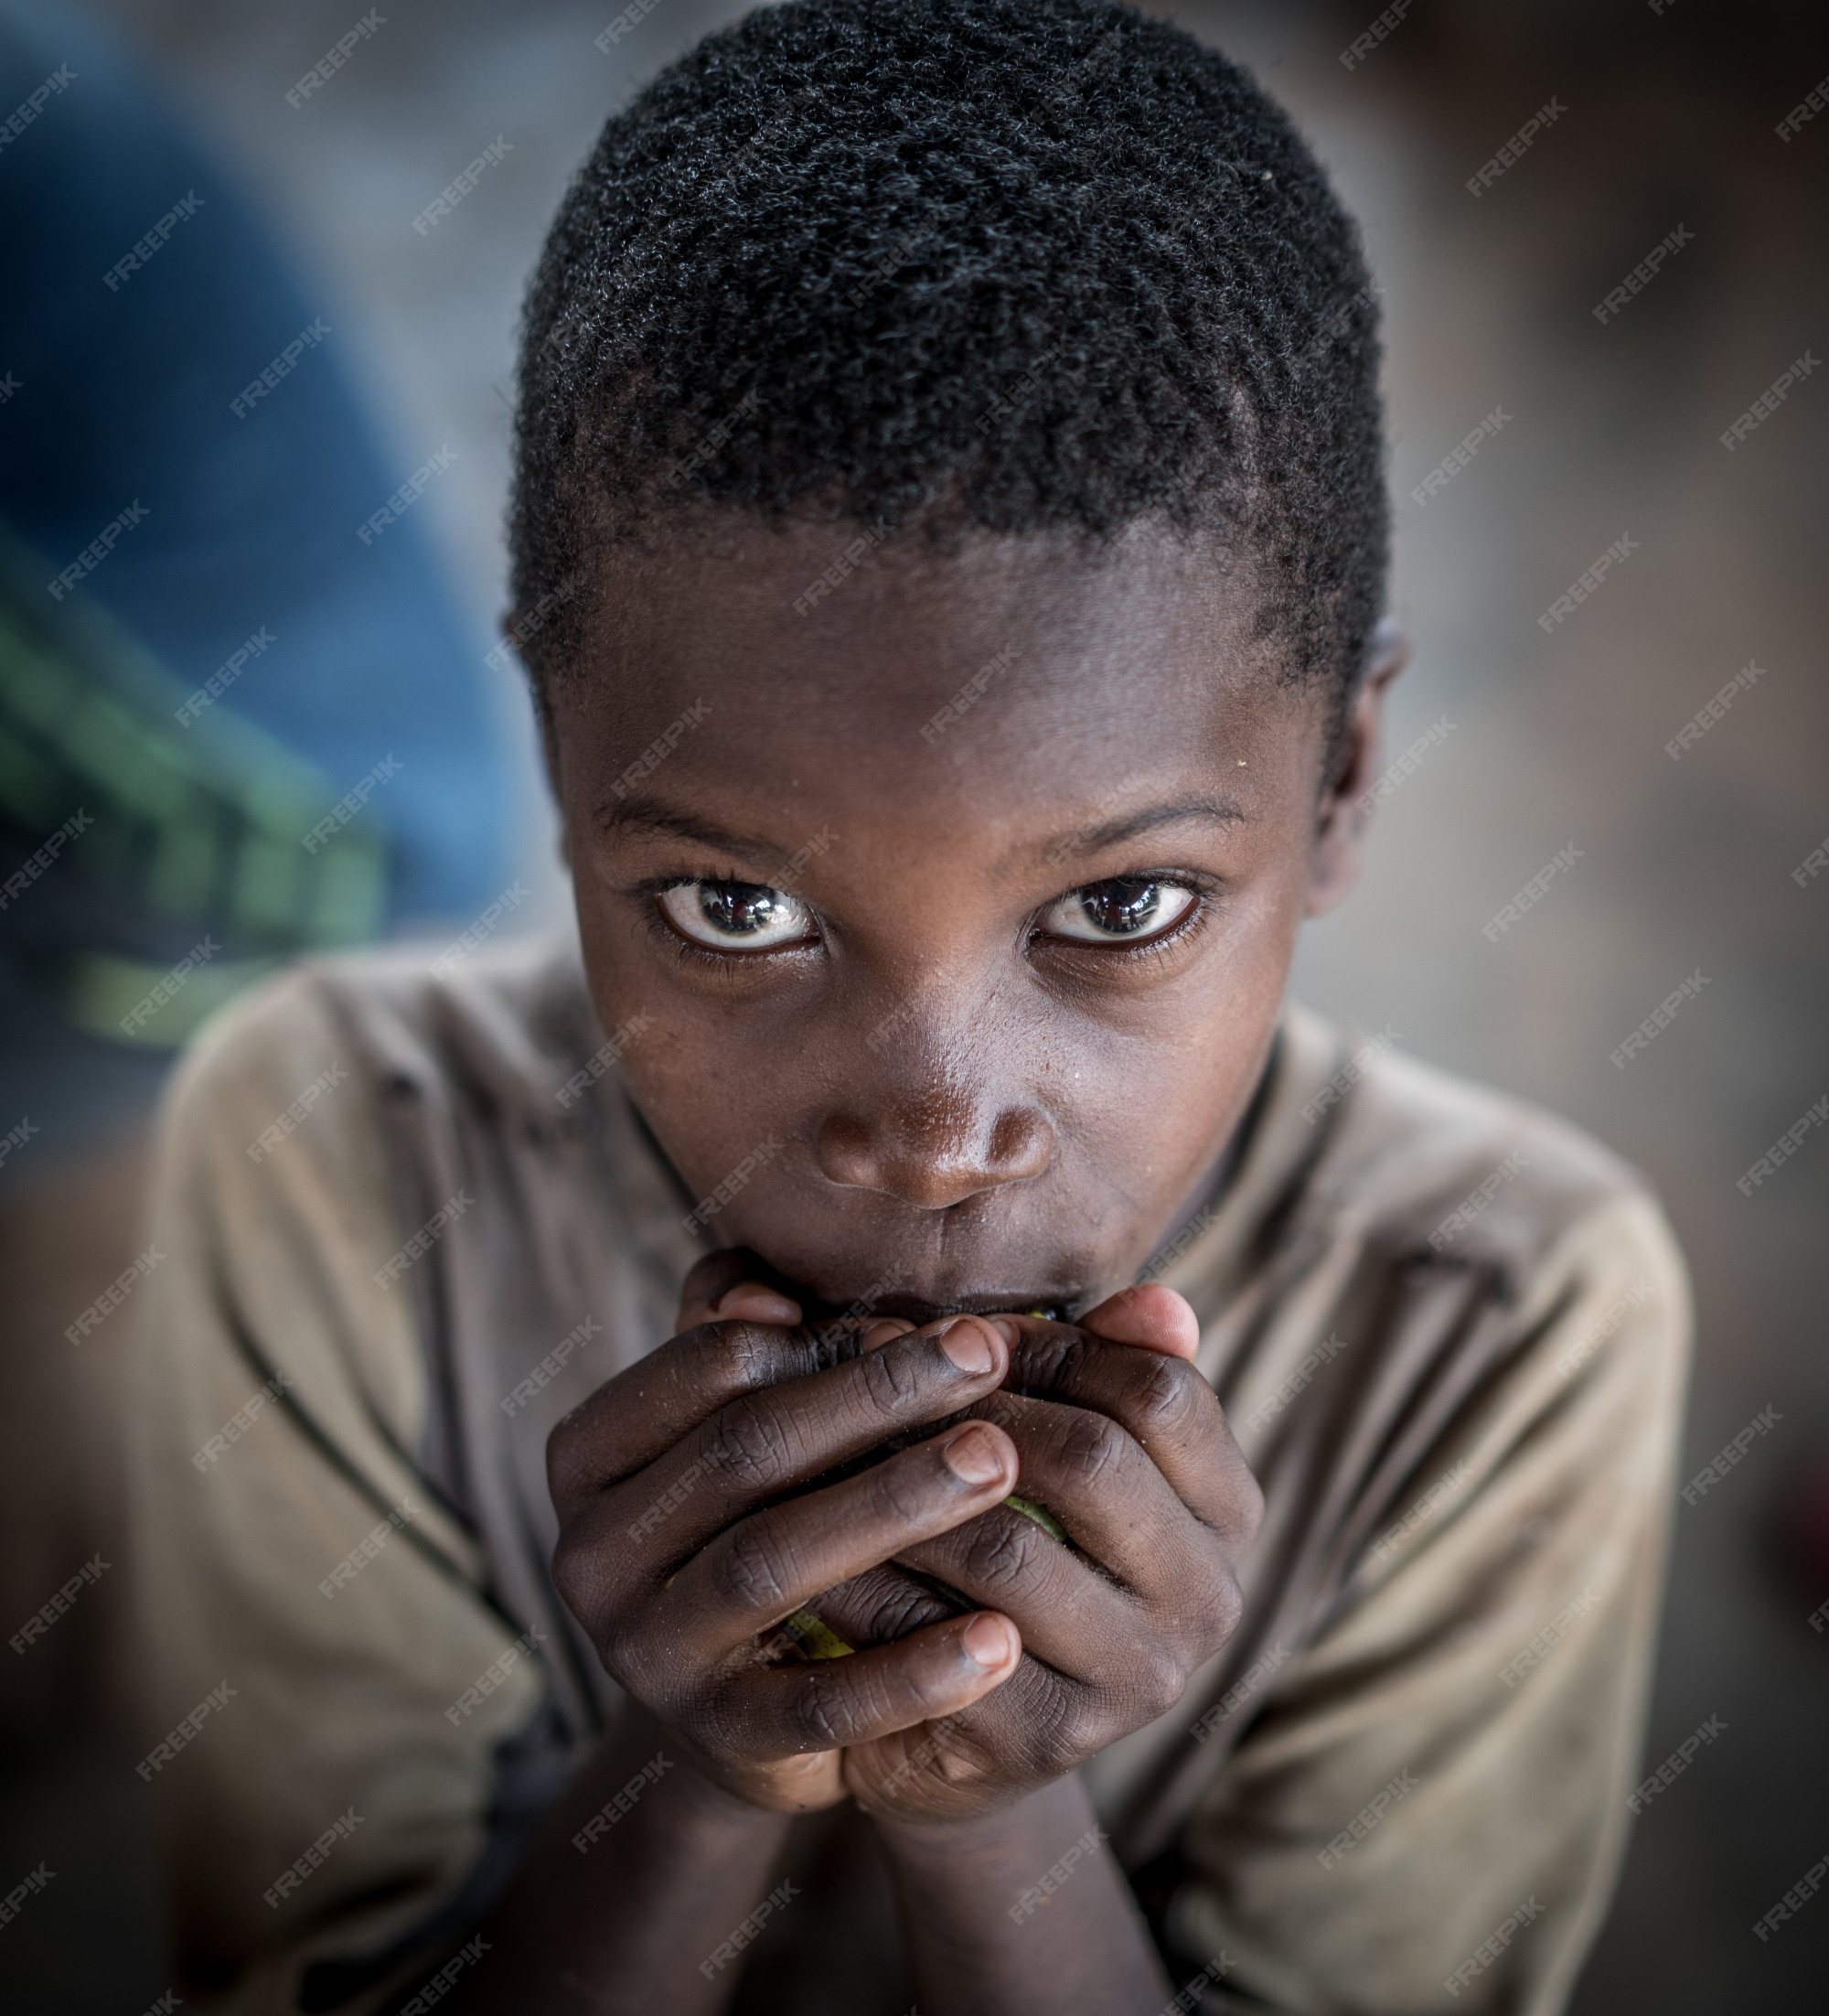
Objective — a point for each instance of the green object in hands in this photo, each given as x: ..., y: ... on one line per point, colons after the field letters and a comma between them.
x: 815, y: 1640
x: 1049, y: 1524
x: 1027, y: 1507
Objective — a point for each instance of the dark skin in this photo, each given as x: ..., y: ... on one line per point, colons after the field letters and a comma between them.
x: 993, y: 998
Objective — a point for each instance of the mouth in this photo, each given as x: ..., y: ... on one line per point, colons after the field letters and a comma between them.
x: 1055, y: 1304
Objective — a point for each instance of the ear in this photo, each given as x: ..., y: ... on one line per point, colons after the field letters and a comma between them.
x: 1345, y: 812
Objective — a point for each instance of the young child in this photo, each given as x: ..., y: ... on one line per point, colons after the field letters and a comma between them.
x: 903, y: 1426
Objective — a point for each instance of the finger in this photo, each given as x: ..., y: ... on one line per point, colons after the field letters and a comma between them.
x: 642, y: 1412
x: 635, y: 1417
x: 1071, y: 1617
x: 1011, y: 1737
x: 1100, y: 1486
x: 718, y: 1275
x: 750, y: 1302
x: 1143, y: 1582
x: 755, y: 1573
x: 881, y: 1606
x: 1165, y: 1405
x: 779, y: 1711
x: 1149, y: 1315
x: 781, y: 1438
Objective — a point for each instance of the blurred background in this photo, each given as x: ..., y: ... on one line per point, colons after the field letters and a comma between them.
x: 370, y: 708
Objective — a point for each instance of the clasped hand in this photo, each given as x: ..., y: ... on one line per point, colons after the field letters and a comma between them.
x: 736, y: 1475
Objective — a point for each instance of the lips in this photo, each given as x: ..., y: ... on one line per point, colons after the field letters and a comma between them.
x: 1053, y: 1303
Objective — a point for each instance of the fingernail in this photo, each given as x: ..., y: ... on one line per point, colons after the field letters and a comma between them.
x: 973, y: 1456
x: 986, y: 1640
x: 885, y: 1330
x: 1006, y: 1328
x: 965, y: 1343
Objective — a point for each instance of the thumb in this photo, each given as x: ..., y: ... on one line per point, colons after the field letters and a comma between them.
x: 1149, y: 1316
x: 731, y: 1284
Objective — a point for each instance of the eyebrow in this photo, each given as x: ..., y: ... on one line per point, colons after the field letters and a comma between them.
x: 1095, y: 839
x: 652, y: 815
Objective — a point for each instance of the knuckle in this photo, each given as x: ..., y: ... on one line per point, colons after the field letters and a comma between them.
x: 719, y: 1725
x: 1088, y: 1723
x: 579, y: 1452
x: 725, y: 1357
x: 1054, y: 1724
x: 1162, y: 1679
x: 619, y: 1647
x: 755, y: 1567
x: 1217, y: 1618
x: 1055, y: 1359
x: 1093, y: 1445
x: 1250, y: 1506
x: 905, y: 1606
x: 902, y: 1492
x: 752, y: 1445
x: 564, y: 1452
x: 733, y: 1356
x: 568, y: 1574
x: 581, y: 1573
x: 1168, y: 1389
x: 880, y: 1606
x: 813, y: 1717
x: 1229, y: 1609
x: 891, y: 1380
x: 1001, y: 1548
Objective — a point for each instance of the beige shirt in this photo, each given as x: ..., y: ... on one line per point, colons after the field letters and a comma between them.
x: 408, y: 1221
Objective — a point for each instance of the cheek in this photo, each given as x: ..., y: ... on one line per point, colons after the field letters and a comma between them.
x: 712, y: 1079
x: 1148, y: 1113
x: 1155, y: 1098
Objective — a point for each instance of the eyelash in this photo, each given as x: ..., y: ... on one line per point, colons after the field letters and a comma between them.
x: 687, y: 951
x: 1162, y: 944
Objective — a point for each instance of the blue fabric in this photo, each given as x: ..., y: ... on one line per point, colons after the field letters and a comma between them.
x: 251, y: 523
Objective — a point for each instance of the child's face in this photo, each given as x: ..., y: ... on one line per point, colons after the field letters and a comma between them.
x: 942, y: 1070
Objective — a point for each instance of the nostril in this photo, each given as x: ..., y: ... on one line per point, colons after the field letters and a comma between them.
x: 844, y: 1153
x: 930, y: 1157
x: 1021, y: 1144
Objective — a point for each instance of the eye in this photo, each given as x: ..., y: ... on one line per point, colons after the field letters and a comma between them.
x: 736, y: 916
x: 1112, y: 913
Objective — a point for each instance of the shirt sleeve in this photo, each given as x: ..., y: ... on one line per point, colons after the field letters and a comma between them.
x: 1429, y: 1814
x: 325, y: 1679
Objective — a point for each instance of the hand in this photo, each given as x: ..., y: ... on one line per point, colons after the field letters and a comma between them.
x: 1124, y: 1445
x: 682, y: 1547
x: 1129, y: 1450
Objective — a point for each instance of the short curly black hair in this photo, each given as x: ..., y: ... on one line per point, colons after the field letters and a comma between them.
x: 1024, y: 266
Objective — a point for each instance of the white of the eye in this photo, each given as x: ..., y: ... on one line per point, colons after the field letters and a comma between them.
x: 1067, y: 919
x: 790, y: 922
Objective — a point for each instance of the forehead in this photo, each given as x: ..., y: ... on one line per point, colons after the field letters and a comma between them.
x: 894, y: 664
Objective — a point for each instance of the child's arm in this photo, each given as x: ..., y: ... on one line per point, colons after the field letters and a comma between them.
x: 639, y: 1875
x: 1023, y: 1911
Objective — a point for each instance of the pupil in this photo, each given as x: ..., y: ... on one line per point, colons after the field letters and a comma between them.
x: 1121, y: 906
x: 738, y: 906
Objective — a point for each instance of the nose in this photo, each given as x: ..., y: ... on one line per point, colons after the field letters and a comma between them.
x: 935, y: 1147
